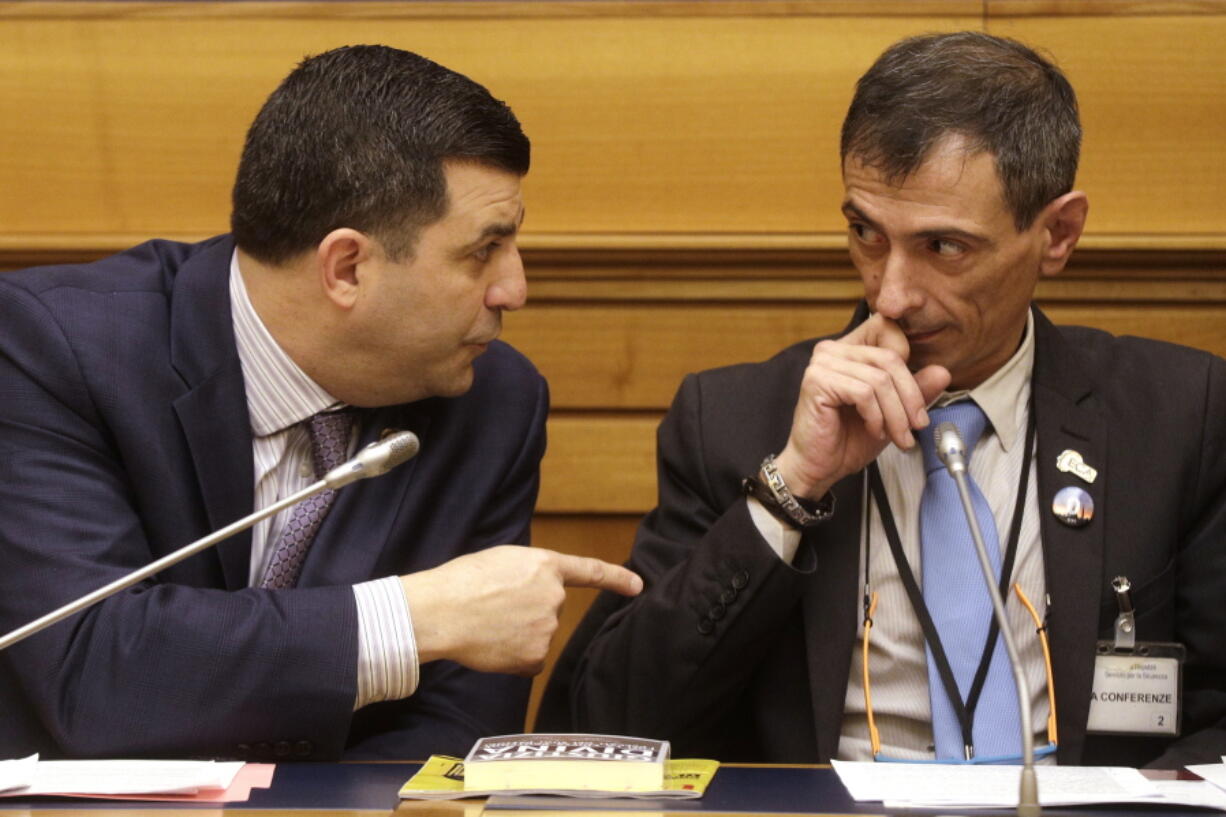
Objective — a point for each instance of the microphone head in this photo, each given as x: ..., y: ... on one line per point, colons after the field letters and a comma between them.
x: 375, y: 459
x: 400, y: 447
x: 950, y: 448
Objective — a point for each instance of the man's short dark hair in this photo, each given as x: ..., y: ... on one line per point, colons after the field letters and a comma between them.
x: 356, y: 137
x: 996, y: 93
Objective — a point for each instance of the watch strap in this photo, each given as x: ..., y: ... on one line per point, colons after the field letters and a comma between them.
x: 770, y: 489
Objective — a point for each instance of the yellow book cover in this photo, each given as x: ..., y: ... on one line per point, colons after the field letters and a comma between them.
x: 567, y: 761
x: 442, y: 778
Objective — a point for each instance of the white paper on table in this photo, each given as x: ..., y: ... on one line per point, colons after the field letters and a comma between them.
x: 915, y: 785
x: 129, y: 776
x: 1215, y: 773
x: 17, y: 774
x: 1197, y: 793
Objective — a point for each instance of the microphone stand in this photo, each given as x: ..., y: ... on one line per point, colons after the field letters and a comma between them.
x: 122, y: 583
x: 955, y: 462
x: 377, y: 458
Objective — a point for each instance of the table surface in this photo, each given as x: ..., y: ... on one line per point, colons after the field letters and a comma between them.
x: 371, y: 788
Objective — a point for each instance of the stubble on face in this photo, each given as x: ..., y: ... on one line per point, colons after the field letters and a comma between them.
x: 433, y: 313
x: 940, y: 255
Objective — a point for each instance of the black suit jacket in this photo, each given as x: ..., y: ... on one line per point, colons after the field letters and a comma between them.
x: 732, y: 653
x: 125, y: 434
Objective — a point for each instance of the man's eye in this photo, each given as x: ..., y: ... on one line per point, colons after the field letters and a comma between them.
x: 865, y: 233
x: 945, y: 247
x: 484, y: 253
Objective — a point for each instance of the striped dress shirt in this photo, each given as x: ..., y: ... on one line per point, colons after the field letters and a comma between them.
x: 280, y: 397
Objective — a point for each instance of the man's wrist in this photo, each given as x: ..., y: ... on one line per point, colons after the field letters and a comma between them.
x: 801, y: 484
x: 770, y: 488
x: 430, y: 634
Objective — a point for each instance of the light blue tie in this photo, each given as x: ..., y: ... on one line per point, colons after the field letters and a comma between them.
x: 958, y: 601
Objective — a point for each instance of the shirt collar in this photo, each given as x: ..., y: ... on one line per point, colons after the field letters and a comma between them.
x: 279, y: 393
x: 1005, y: 396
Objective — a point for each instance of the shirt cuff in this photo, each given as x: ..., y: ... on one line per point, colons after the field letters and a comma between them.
x: 783, y: 539
x: 387, y: 651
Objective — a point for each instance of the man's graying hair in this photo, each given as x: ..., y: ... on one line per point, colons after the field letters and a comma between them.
x: 356, y: 137
x: 998, y: 94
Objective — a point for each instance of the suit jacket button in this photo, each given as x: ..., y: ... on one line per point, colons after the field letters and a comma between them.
x: 706, y: 626
x: 244, y: 750
x: 263, y: 749
x: 728, y: 596
x: 282, y: 749
x: 717, y: 612
x: 740, y: 580
x: 304, y: 748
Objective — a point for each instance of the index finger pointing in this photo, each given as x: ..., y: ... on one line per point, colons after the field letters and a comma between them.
x: 583, y: 571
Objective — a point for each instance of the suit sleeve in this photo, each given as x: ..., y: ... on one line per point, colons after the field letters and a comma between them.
x: 669, y: 662
x: 1200, y: 589
x: 454, y: 705
x: 164, y: 668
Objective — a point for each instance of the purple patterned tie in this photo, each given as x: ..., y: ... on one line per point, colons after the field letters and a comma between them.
x: 329, y: 445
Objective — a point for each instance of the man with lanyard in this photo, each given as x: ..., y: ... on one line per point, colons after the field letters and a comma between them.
x: 801, y: 500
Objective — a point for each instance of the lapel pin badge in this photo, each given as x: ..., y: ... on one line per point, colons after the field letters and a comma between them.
x: 1073, y: 506
x: 1070, y: 462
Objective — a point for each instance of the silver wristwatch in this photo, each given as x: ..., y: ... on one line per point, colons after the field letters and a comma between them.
x: 768, y: 487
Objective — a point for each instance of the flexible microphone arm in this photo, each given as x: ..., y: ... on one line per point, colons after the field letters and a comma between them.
x: 952, y: 452
x: 373, y: 460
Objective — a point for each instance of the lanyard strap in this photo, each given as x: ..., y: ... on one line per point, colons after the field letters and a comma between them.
x: 965, y: 710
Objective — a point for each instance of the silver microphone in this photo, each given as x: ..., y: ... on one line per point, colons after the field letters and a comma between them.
x: 952, y: 452
x: 950, y: 448
x: 373, y: 460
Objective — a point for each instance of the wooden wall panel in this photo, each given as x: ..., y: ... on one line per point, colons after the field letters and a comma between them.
x: 1153, y: 103
x: 126, y: 122
x: 634, y: 355
x: 641, y: 123
x: 601, y: 464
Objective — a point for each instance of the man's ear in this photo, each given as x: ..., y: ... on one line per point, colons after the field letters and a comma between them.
x: 1063, y: 220
x: 339, y: 260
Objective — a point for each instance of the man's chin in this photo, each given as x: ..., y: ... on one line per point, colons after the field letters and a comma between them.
x: 456, y: 385
x: 920, y: 359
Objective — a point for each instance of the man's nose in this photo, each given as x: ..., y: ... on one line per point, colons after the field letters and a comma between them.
x: 897, y: 293
x: 509, y: 289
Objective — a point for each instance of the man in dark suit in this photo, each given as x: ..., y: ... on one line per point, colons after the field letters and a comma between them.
x: 162, y: 393
x: 792, y: 492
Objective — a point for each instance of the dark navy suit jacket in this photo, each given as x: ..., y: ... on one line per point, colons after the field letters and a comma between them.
x: 125, y: 434
x: 731, y: 653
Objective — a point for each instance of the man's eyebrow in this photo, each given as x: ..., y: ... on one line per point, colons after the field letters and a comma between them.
x: 955, y: 234
x: 500, y: 229
x: 850, y: 210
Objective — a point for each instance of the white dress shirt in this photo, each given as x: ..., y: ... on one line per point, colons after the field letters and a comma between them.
x: 280, y: 397
x: 897, y: 661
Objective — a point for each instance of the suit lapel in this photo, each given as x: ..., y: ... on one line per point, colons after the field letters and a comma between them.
x: 352, y: 542
x: 1069, y: 418
x: 830, y: 607
x: 213, y: 411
